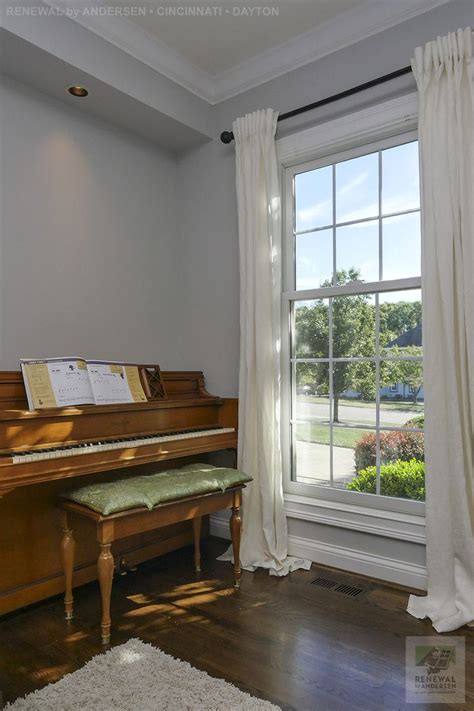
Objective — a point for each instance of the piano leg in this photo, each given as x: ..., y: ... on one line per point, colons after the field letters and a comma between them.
x: 68, y: 546
x: 235, y: 526
x: 105, y: 570
x: 197, y: 543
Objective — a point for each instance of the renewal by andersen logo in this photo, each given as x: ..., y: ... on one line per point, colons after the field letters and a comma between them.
x: 435, y: 660
x: 435, y: 669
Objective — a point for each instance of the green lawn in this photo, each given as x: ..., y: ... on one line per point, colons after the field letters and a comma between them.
x: 343, y: 437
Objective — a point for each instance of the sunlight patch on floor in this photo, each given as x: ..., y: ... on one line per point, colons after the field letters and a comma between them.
x: 140, y: 599
x: 50, y: 673
x: 154, y: 608
x: 205, y: 598
x: 192, y: 588
x: 77, y: 636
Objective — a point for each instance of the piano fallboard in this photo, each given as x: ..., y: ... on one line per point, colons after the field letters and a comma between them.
x: 23, y: 429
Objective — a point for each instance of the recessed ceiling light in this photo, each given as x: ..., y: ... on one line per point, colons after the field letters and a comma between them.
x: 78, y: 90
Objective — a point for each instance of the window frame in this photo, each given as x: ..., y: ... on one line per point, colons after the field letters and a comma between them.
x: 383, y: 126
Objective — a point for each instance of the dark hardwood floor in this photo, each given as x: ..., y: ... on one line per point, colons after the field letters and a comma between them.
x: 282, y: 639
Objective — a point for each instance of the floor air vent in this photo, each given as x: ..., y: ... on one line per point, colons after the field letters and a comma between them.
x: 349, y: 590
x: 324, y: 583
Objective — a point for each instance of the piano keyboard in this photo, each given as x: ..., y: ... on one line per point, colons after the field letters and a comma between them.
x: 94, y: 447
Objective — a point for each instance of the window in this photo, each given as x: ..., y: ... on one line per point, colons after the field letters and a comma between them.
x: 352, y: 302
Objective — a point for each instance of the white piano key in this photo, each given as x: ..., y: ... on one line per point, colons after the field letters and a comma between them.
x: 94, y: 448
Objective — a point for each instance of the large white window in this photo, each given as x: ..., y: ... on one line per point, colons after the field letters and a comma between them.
x: 353, y: 380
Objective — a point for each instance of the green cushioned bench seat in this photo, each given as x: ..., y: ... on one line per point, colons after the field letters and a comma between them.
x: 153, y: 489
x: 138, y: 505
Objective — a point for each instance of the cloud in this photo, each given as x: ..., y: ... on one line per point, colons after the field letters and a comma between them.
x: 354, y: 183
x: 308, y: 216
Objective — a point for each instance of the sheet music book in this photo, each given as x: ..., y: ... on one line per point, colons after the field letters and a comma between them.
x: 113, y: 383
x: 64, y: 382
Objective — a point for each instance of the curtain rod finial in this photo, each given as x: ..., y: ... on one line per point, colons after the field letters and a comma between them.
x: 227, y: 136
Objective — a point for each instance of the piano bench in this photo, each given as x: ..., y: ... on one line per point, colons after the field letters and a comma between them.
x: 224, y: 491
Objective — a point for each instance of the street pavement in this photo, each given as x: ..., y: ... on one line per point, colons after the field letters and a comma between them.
x: 352, y: 413
x: 312, y: 463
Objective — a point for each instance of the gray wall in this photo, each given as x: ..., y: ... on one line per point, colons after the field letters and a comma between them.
x: 88, y: 236
x: 209, y: 272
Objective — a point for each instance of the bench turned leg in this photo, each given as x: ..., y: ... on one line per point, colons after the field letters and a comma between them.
x: 235, y: 526
x: 105, y: 571
x: 68, y: 546
x: 197, y: 543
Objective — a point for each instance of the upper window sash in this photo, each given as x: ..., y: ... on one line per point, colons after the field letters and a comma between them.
x: 389, y: 118
x: 289, y: 272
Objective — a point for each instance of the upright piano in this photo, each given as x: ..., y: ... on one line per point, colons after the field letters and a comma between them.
x: 44, y: 452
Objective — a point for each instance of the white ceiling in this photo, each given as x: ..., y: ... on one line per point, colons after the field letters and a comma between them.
x: 226, y: 51
x: 232, y: 31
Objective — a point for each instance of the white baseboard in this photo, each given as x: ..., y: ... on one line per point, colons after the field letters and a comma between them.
x: 355, y: 561
x: 370, y: 564
x: 220, y: 527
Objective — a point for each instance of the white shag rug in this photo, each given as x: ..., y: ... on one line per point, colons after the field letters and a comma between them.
x: 139, y: 677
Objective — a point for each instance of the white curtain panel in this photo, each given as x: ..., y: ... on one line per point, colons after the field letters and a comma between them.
x: 443, y: 72
x: 264, y: 528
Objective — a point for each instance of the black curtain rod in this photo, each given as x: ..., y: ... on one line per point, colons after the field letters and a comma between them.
x: 228, y: 136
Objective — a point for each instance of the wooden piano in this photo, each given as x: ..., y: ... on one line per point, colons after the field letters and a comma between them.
x: 41, y: 451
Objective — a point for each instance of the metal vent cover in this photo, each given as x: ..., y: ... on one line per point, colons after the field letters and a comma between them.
x: 324, y: 583
x: 342, y: 588
x: 350, y: 590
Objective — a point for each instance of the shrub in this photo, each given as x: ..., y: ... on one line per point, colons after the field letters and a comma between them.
x: 403, y: 479
x: 418, y: 422
x: 393, y: 446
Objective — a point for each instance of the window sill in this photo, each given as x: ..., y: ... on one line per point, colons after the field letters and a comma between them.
x: 374, y: 521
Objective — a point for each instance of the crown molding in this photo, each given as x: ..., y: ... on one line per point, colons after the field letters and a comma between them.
x: 350, y: 27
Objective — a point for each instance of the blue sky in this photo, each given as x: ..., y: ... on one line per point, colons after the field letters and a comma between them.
x: 357, y: 195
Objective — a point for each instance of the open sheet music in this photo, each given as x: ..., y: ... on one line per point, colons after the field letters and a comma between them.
x: 115, y: 382
x: 63, y: 382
